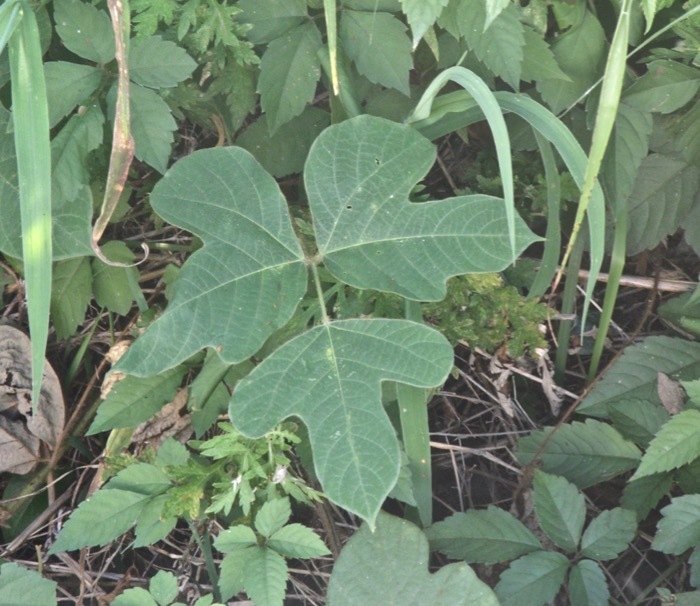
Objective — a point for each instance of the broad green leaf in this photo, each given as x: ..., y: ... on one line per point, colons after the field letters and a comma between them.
x: 330, y: 377
x: 560, y: 508
x: 679, y: 529
x: 637, y: 420
x: 676, y: 443
x: 634, y: 375
x: 666, y: 87
x: 584, y: 453
x: 609, y: 534
x: 264, y: 576
x: 152, y: 126
x: 67, y: 85
x: 297, y: 541
x: 628, y: 146
x: 85, y: 30
x: 272, y: 516
x: 285, y: 152
x: 163, y: 587
x: 378, y: 45
x: 135, y: 596
x: 538, y: 59
x: 482, y: 536
x: 71, y: 225
x: 271, y: 19
x: 82, y: 134
x: 533, y: 579
x: 663, y: 195
x: 19, y: 586
x: 421, y: 15
x: 390, y: 567
x: 235, y: 539
x: 359, y: 176
x: 580, y: 53
x: 289, y: 71
x: 493, y: 9
x: 71, y: 291
x: 245, y: 282
x: 113, y: 285
x: 499, y: 45
x: 100, y: 519
x: 158, y: 63
x: 587, y: 585
x: 134, y: 400
x: 642, y: 495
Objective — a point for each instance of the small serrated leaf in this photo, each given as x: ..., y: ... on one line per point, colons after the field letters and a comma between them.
x: 265, y: 576
x: 637, y: 420
x: 482, y: 536
x: 136, y: 596
x: 85, y: 30
x: 235, y: 539
x: 67, y: 85
x: 643, y: 494
x: 297, y: 541
x: 158, y: 63
x: 587, y: 585
x: 560, y: 508
x: 584, y: 453
x: 422, y: 14
x: 20, y: 586
x: 232, y: 572
x: 609, y: 534
x: 271, y: 19
x: 667, y: 86
x: 152, y: 126
x: 113, y: 285
x: 71, y: 291
x: 390, y: 566
x: 272, y: 516
x: 533, y: 579
x: 163, y: 587
x: 676, y: 443
x: 679, y: 529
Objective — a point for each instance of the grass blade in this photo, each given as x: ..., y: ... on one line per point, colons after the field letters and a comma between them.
x: 31, y: 127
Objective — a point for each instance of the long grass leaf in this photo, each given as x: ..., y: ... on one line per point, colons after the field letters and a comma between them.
x: 31, y: 127
x: 9, y: 20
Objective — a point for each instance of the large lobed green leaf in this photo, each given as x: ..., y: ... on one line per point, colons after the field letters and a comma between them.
x: 245, y: 282
x: 359, y: 175
x: 390, y: 567
x: 330, y: 377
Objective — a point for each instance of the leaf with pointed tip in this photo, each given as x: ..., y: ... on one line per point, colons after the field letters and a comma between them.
x: 330, y: 377
x: 533, y: 579
x: 245, y: 282
x: 390, y: 566
x: 422, y: 14
x: 609, y: 534
x: 679, y: 529
x: 359, y: 175
x: 560, y: 508
x: 587, y: 586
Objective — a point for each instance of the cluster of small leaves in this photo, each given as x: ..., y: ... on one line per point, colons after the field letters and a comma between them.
x: 162, y: 591
x: 255, y: 560
x: 536, y: 575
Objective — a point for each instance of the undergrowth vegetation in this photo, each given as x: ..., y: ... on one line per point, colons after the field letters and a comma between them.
x: 317, y: 307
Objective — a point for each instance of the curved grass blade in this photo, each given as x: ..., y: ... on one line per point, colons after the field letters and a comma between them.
x: 9, y: 20
x: 31, y: 127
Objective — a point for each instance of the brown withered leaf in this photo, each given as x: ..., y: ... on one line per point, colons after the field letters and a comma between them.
x: 670, y: 393
x: 23, y: 430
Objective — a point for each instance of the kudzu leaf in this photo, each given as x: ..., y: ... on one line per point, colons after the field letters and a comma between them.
x: 560, y: 508
x: 378, y: 45
x: 664, y: 193
x: 679, y: 529
x: 330, y: 377
x: 533, y: 579
x: 67, y: 85
x: 676, y: 443
x: 584, y: 453
x: 634, y: 375
x: 289, y: 71
x: 608, y: 534
x: 482, y: 536
x: 421, y: 15
x: 359, y: 175
x: 270, y: 19
x: 85, y: 30
x: 158, y: 63
x: 21, y: 586
x: 587, y: 585
x: 245, y: 282
x: 390, y: 567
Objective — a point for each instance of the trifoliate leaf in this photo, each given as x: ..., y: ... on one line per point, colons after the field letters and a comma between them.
x: 330, y: 377
x: 584, y: 453
x: 289, y: 71
x: 677, y: 443
x: 390, y: 566
x: 560, y: 508
x: 158, y: 63
x: 608, y: 534
x: 272, y: 516
x: 533, y: 579
x: 587, y: 585
x: 482, y: 536
x: 85, y: 30
x: 679, y: 529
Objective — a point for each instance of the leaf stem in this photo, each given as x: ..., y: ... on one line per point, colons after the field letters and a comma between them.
x: 319, y: 292
x: 204, y: 543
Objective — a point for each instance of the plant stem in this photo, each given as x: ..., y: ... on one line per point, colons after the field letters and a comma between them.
x: 319, y: 293
x: 204, y: 543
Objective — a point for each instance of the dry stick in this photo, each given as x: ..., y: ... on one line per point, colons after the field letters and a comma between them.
x: 123, y: 145
x: 529, y: 470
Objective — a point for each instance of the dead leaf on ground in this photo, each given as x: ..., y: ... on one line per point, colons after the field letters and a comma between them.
x: 23, y: 430
x: 670, y: 393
